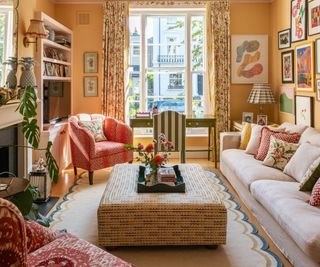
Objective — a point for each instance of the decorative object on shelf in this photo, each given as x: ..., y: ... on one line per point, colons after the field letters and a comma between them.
x: 36, y: 30
x: 304, y: 67
x: 313, y: 17
x: 318, y: 90
x: 261, y: 94
x: 317, y: 56
x: 304, y: 110
x: 249, y: 59
x: 155, y: 110
x: 287, y: 98
x: 143, y: 115
x: 90, y: 86
x: 27, y: 77
x: 262, y: 120
x: 247, y: 117
x: 5, y: 96
x: 287, y: 66
x: 298, y: 20
x: 11, y: 80
x: 90, y: 62
x: 284, y: 39
x: 51, y: 35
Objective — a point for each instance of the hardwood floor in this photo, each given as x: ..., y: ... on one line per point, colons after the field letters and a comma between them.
x: 67, y: 179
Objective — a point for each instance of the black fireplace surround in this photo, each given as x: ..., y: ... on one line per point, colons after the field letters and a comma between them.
x: 9, y: 155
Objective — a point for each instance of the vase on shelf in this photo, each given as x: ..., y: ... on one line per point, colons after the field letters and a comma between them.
x: 11, y: 80
x: 28, y: 77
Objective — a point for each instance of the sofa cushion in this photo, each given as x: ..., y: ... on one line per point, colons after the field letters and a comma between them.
x: 311, y: 176
x: 254, y: 141
x: 290, y: 208
x: 315, y: 195
x: 95, y: 128
x: 293, y: 128
x: 107, y: 148
x: 245, y: 135
x: 310, y: 135
x: 249, y: 169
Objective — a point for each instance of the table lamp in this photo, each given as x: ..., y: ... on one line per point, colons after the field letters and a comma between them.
x: 261, y: 94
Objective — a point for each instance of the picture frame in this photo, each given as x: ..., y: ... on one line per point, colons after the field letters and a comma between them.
x: 247, y: 117
x: 317, y: 54
x: 313, y: 17
x: 90, y: 86
x: 284, y: 39
x: 50, y: 71
x: 304, y: 110
x: 262, y: 120
x: 90, y: 62
x: 298, y: 22
x: 304, y: 67
x: 56, y: 89
x: 287, y: 66
x: 249, y: 66
x: 318, y: 89
x: 286, y: 98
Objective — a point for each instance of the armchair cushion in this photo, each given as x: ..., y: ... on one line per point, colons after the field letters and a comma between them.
x: 94, y: 127
x: 103, y: 149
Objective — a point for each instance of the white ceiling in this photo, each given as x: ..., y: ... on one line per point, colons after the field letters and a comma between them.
x: 101, y: 1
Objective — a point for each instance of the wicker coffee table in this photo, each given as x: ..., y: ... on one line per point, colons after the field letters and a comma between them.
x: 126, y: 218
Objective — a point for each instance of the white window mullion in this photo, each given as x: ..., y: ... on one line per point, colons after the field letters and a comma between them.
x: 143, y: 88
x: 188, y: 76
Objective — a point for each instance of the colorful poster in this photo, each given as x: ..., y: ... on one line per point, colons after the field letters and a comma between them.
x: 249, y: 61
x: 304, y: 68
x: 298, y: 20
x: 314, y: 17
x: 287, y: 99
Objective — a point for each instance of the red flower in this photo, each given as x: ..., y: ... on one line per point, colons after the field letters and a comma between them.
x: 140, y: 147
x: 149, y: 148
x: 158, y: 159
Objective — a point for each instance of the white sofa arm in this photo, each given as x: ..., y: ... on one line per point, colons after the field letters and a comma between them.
x: 229, y: 140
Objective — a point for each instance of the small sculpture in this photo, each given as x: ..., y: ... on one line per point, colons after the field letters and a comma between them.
x: 40, y: 165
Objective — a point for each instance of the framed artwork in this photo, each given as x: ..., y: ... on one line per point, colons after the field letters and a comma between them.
x: 90, y: 62
x: 284, y: 39
x: 249, y: 59
x: 304, y: 110
x: 56, y: 89
x: 49, y: 69
x: 314, y: 17
x: 287, y: 66
x: 298, y: 20
x: 90, y: 86
x: 262, y: 120
x: 247, y: 117
x: 287, y: 99
x: 304, y: 68
x: 317, y: 51
x: 318, y: 90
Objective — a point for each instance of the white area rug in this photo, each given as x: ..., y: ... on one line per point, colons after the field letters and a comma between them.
x: 77, y: 213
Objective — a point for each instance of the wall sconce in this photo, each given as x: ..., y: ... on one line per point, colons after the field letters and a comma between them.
x: 36, y: 30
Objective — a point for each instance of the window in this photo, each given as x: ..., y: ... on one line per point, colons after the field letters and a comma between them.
x: 167, y: 55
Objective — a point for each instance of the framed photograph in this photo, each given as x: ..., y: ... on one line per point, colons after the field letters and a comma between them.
x: 298, y: 20
x: 262, y: 120
x: 318, y: 90
x: 304, y: 110
x: 284, y: 39
x: 287, y: 99
x: 56, y: 89
x: 287, y: 66
x: 317, y: 52
x: 304, y: 68
x: 90, y: 62
x: 249, y: 59
x: 90, y: 86
x: 314, y: 17
x: 50, y: 71
x: 247, y: 117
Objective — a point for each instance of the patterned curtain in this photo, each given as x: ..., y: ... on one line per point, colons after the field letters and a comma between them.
x: 218, y: 61
x: 115, y: 49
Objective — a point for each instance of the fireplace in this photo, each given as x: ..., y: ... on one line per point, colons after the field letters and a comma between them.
x: 9, y: 155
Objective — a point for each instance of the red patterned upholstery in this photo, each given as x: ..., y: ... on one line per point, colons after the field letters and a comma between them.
x: 315, y: 195
x: 50, y: 248
x: 92, y: 156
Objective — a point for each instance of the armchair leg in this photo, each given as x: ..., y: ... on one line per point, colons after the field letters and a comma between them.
x: 90, y: 178
x: 75, y: 171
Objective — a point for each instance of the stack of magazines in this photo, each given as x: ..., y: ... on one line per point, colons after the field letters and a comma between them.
x: 167, y: 176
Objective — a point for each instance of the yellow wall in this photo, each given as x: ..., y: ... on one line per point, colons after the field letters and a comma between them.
x: 280, y: 20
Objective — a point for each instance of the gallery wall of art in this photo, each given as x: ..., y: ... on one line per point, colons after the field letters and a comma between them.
x: 294, y: 87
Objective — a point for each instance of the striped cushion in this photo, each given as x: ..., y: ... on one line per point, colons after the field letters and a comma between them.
x: 173, y: 125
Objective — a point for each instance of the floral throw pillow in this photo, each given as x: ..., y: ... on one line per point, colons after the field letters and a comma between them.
x: 95, y: 128
x: 279, y: 153
x: 315, y: 195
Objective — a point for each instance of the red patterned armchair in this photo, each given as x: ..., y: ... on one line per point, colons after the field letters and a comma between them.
x: 30, y: 244
x: 90, y: 155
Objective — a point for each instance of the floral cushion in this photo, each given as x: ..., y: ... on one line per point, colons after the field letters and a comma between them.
x: 94, y: 127
x: 311, y: 176
x: 38, y: 236
x: 315, y: 195
x: 266, y: 134
x: 279, y: 154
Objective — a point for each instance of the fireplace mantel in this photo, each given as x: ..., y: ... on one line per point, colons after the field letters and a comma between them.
x: 8, y: 114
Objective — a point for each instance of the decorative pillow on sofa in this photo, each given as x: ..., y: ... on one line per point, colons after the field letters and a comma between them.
x: 311, y: 176
x: 266, y: 134
x: 245, y: 135
x: 302, y: 160
x: 279, y: 153
x: 95, y: 128
x: 38, y: 236
x: 315, y: 195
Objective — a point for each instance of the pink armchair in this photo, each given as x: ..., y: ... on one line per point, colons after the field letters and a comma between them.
x: 30, y: 244
x: 90, y: 155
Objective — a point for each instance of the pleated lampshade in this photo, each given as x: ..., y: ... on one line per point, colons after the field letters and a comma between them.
x: 36, y: 29
x: 261, y: 93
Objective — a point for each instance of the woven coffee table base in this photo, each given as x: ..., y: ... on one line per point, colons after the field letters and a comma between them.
x: 126, y: 218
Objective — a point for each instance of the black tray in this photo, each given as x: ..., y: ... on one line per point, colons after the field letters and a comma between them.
x: 180, y: 186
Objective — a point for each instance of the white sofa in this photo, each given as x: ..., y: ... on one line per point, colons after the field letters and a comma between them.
x: 275, y: 200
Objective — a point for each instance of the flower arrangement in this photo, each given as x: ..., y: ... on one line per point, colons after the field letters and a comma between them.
x: 151, y: 161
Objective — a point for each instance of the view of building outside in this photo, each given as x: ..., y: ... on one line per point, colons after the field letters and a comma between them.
x: 166, y: 75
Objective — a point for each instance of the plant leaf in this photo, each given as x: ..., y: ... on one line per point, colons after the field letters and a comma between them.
x: 31, y: 131
x: 23, y: 201
x: 53, y: 168
x: 28, y: 103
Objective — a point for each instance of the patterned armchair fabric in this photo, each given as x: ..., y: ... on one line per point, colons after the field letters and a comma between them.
x: 48, y: 248
x: 90, y: 155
